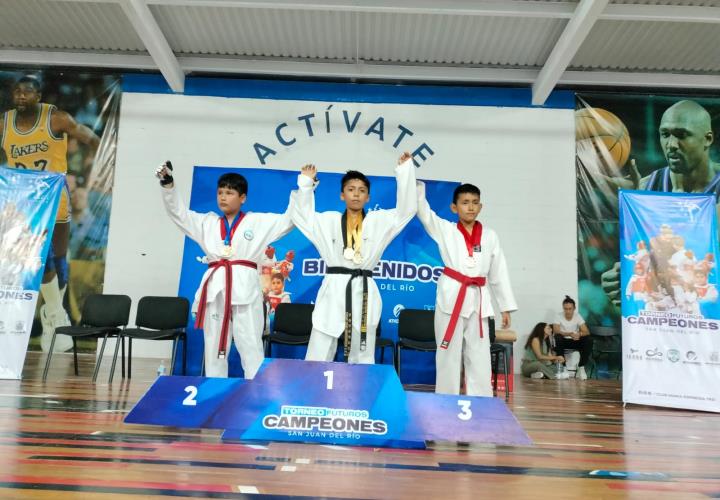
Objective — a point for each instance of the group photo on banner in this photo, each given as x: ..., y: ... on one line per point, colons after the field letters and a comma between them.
x: 64, y: 124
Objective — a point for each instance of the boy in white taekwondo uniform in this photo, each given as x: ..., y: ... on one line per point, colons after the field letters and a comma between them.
x: 351, y: 244
x: 230, y: 292
x: 473, y: 261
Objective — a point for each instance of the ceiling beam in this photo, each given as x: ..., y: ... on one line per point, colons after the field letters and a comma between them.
x: 507, y: 8
x: 409, y: 73
x: 586, y: 14
x: 661, y: 13
x: 149, y: 32
x: 76, y: 59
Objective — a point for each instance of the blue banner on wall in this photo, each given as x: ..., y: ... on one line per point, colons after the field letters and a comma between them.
x: 292, y: 270
x: 28, y: 205
x: 670, y: 309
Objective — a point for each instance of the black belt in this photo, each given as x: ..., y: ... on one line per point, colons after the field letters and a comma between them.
x: 354, y: 273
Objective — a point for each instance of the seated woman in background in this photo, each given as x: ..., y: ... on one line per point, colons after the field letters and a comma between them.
x: 571, y: 333
x: 539, y: 361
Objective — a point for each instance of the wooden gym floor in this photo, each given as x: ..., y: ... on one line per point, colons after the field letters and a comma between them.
x: 66, y: 439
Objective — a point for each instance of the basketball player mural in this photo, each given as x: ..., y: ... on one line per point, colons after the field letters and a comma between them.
x: 685, y: 137
x: 34, y: 136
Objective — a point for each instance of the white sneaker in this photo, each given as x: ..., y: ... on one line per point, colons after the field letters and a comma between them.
x: 50, y: 321
x: 572, y: 359
x: 537, y: 375
x: 581, y: 373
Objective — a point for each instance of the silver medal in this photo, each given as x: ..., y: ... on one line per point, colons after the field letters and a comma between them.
x: 349, y: 254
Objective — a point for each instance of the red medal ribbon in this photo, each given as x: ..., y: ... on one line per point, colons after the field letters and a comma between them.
x: 472, y: 241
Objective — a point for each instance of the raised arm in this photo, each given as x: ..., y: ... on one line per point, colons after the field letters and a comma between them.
x: 281, y: 224
x: 302, y: 204
x: 429, y: 219
x: 188, y: 221
x: 407, y: 202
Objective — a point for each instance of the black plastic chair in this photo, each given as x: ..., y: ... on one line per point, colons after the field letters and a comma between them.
x: 606, y: 344
x: 160, y: 318
x: 383, y: 343
x: 416, y: 331
x: 293, y: 324
x: 103, y: 316
x: 497, y: 350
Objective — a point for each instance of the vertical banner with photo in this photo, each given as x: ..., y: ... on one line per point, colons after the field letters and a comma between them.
x: 635, y: 142
x: 28, y: 203
x: 670, y: 309
x: 65, y: 123
x: 291, y: 270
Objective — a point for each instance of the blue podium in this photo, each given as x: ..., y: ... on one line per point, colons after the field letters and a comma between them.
x: 333, y: 403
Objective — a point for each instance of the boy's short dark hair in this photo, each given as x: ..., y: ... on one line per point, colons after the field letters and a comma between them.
x: 233, y: 181
x: 465, y: 188
x: 277, y: 276
x: 354, y: 174
x: 32, y: 80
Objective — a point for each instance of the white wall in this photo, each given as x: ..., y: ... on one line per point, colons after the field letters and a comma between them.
x: 521, y: 158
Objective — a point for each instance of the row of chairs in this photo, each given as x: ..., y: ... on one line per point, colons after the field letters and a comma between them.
x: 293, y: 324
x: 107, y: 316
x: 165, y: 318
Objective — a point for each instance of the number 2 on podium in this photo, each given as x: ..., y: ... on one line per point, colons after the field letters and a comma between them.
x: 190, y: 399
x: 329, y: 375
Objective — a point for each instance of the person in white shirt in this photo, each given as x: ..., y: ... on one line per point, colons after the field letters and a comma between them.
x: 572, y: 333
x: 230, y: 294
x: 351, y: 244
x: 473, y: 259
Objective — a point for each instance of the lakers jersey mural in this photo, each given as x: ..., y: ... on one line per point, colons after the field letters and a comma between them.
x: 54, y: 123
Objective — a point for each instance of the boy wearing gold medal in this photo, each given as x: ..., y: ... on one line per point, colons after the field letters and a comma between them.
x: 473, y: 259
x: 351, y: 244
x: 230, y: 293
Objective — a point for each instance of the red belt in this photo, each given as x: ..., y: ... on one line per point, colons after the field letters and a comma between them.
x: 200, y: 317
x: 465, y: 281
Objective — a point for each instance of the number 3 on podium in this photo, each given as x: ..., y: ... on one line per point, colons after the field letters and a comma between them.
x: 465, y: 411
x: 190, y: 399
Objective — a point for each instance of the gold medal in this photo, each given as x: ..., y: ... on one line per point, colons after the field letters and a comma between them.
x: 357, y: 258
x: 349, y: 254
x: 227, y: 251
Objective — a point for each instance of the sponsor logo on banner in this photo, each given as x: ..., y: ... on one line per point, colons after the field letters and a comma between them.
x: 634, y: 355
x: 396, y: 313
x: 654, y: 354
